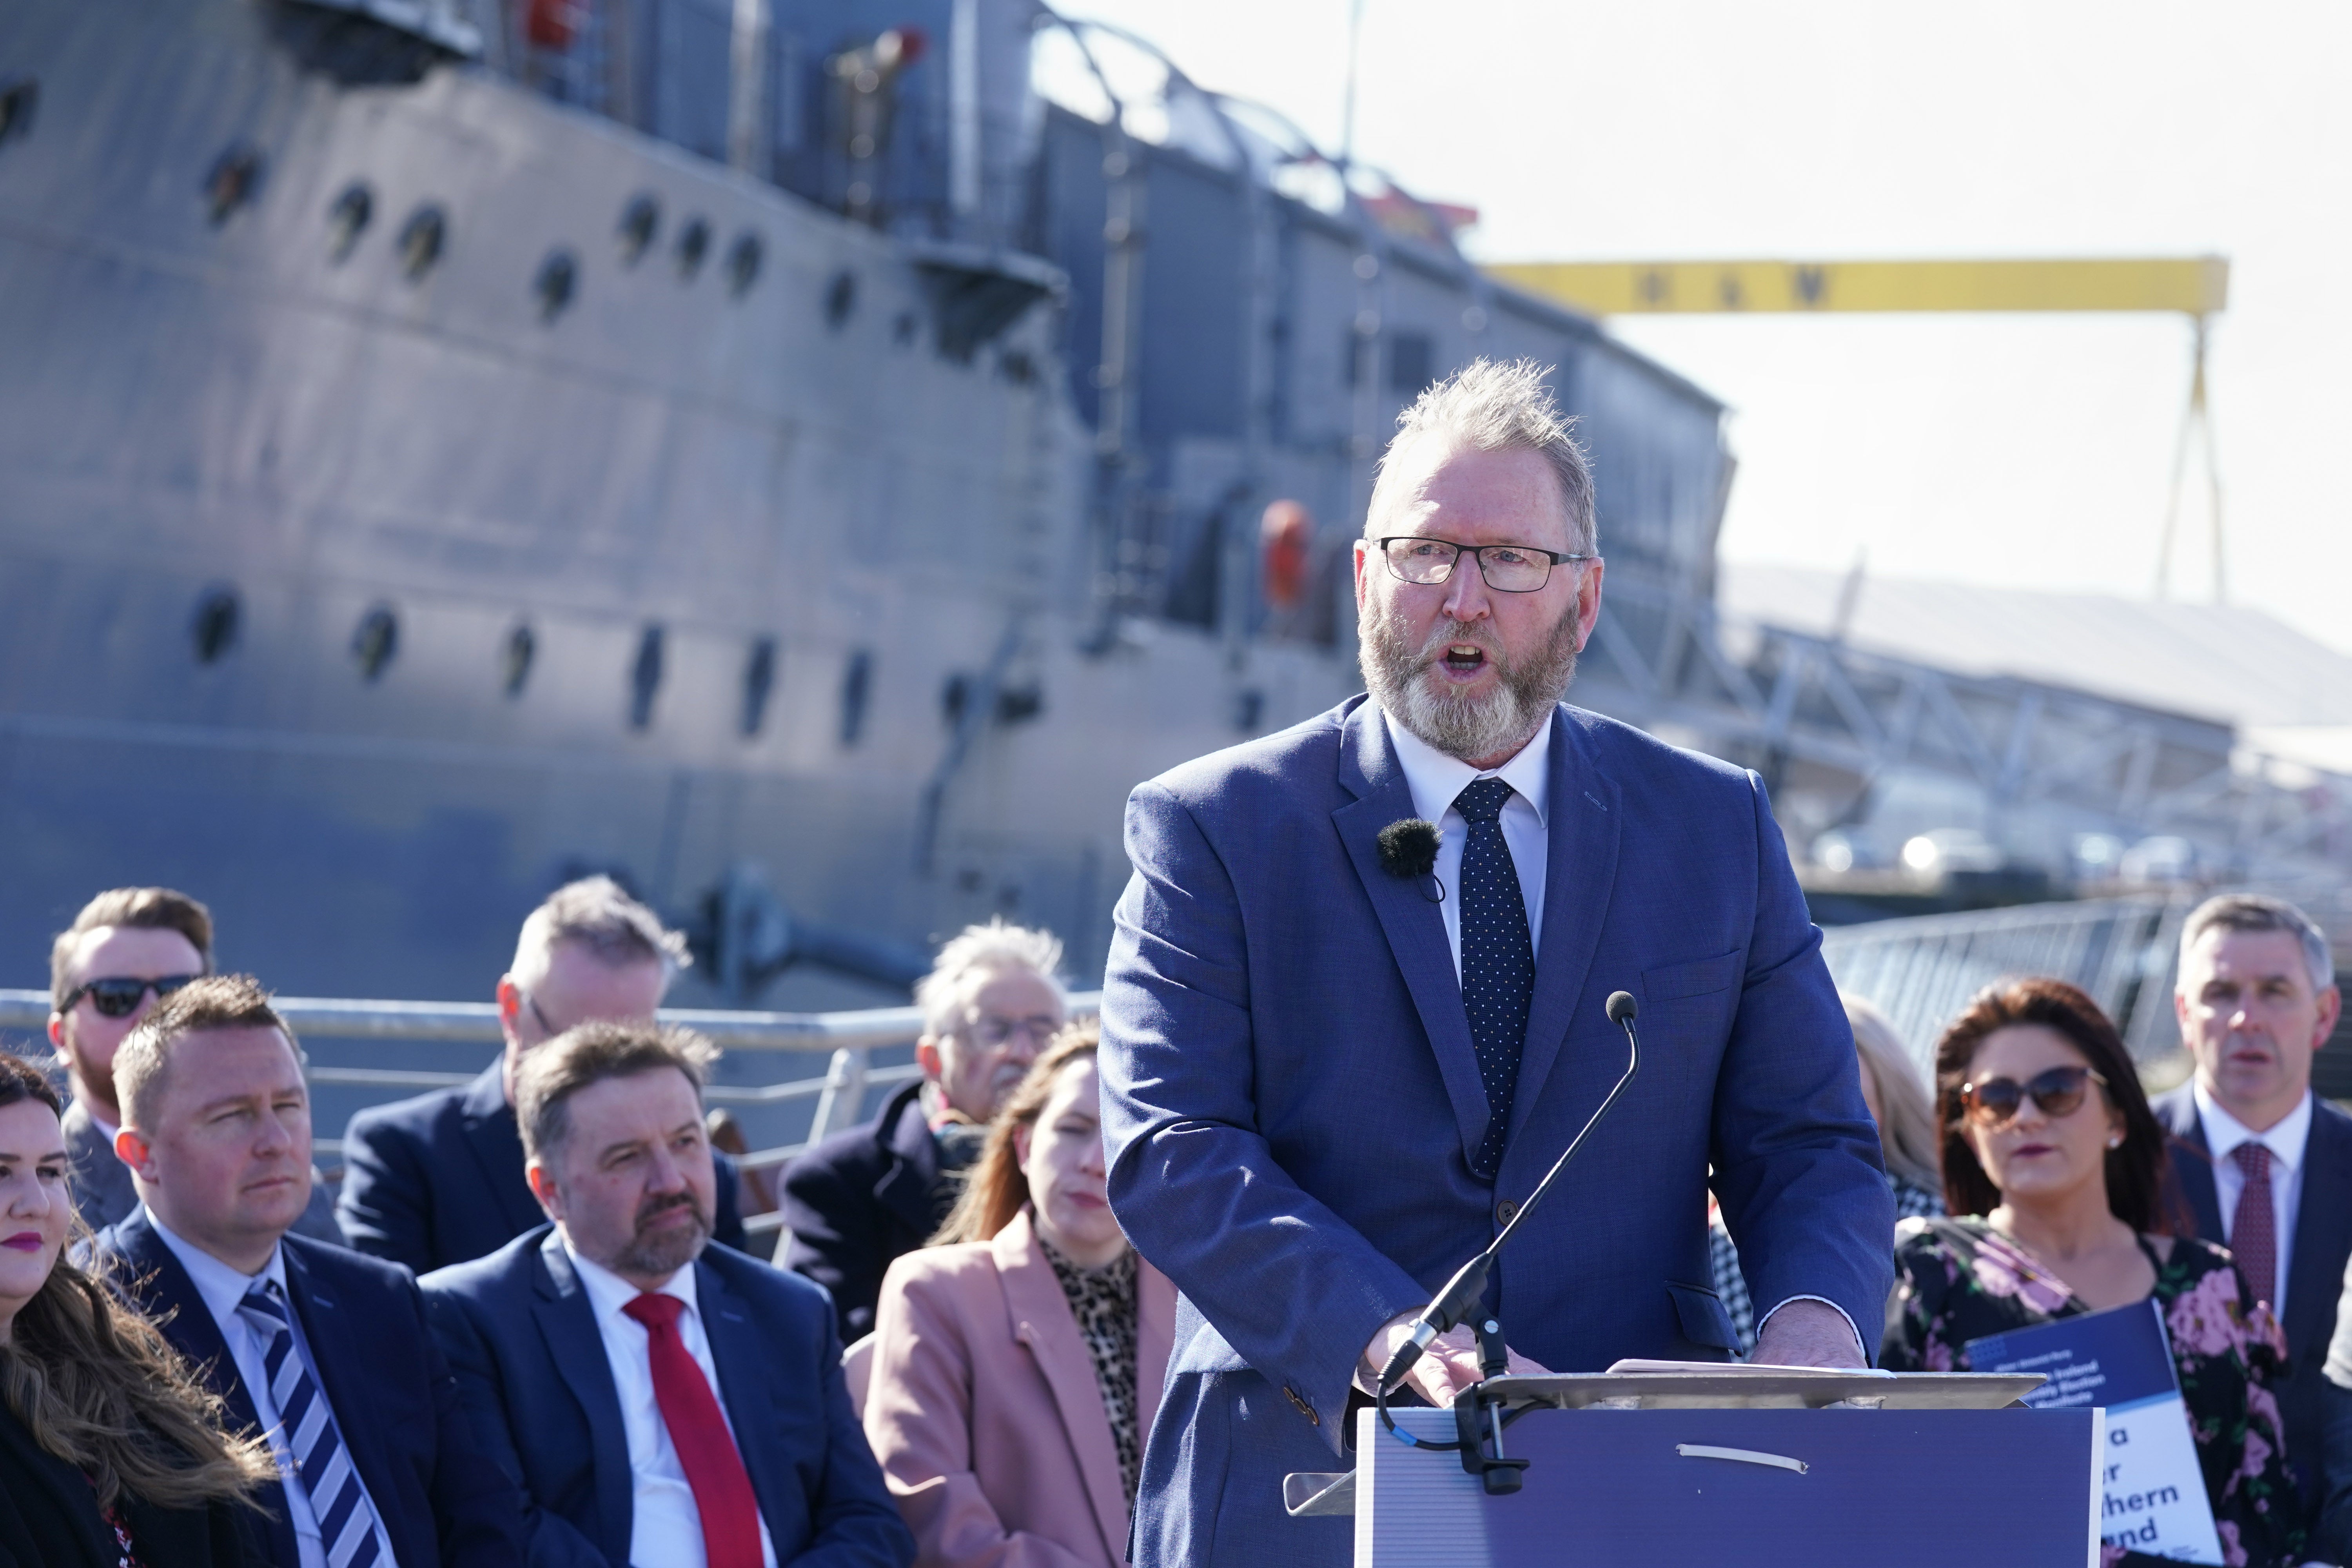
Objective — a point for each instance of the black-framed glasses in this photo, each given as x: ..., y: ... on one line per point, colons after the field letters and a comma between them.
x: 2059, y: 1092
x: 1507, y: 568
x: 117, y: 997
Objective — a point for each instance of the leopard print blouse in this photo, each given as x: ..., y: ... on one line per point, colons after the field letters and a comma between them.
x: 1104, y: 1302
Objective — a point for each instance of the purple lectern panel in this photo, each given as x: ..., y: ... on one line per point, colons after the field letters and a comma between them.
x: 1927, y: 1489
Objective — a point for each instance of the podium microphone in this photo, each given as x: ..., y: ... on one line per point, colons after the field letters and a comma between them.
x: 1463, y: 1292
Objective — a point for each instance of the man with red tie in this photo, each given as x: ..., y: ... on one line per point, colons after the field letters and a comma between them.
x: 2265, y: 1165
x: 662, y: 1402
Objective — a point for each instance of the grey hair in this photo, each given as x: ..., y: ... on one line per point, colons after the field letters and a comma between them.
x: 2257, y: 911
x: 1493, y: 407
x: 598, y: 914
x: 989, y: 948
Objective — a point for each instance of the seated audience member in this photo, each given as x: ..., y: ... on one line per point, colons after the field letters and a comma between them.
x: 324, y: 1353
x: 1017, y: 1369
x: 438, y: 1179
x: 662, y: 1403
x: 2265, y: 1164
x: 2329, y: 1469
x: 128, y: 949
x: 866, y: 1196
x: 1906, y: 1141
x: 110, y: 1451
x: 2053, y: 1169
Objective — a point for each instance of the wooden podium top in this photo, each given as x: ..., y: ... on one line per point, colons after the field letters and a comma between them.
x: 1706, y: 1385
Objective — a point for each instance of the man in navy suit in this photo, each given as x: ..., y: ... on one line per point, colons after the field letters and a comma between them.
x: 1326, y: 1086
x: 325, y: 1352
x: 661, y: 1402
x: 438, y: 1179
x: 2266, y: 1165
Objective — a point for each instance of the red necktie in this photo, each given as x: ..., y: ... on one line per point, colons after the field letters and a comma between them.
x: 698, y: 1430
x: 2253, y: 1234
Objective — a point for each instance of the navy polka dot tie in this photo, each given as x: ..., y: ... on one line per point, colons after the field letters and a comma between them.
x: 1498, y: 960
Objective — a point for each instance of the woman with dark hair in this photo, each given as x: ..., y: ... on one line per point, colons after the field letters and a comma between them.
x: 2054, y: 1171
x: 1017, y: 1361
x: 111, y: 1455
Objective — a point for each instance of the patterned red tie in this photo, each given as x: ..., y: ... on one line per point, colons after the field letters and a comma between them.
x: 2253, y: 1234
x: 698, y: 1430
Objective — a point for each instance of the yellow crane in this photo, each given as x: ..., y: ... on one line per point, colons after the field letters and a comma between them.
x: 2195, y: 286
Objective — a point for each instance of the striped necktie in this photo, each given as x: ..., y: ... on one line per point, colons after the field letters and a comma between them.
x: 306, y: 1430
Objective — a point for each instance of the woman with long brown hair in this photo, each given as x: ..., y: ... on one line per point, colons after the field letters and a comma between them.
x: 1017, y: 1361
x: 2054, y: 1175
x: 110, y: 1453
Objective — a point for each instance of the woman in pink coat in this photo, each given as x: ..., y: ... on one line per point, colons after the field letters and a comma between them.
x: 1017, y: 1362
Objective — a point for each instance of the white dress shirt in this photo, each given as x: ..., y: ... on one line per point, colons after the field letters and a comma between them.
x: 2287, y: 1140
x: 221, y: 1288
x: 664, y: 1524
x: 1436, y: 779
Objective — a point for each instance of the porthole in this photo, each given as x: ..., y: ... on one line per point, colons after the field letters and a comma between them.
x: 421, y: 238
x: 744, y: 264
x: 234, y: 181
x: 375, y: 642
x: 347, y: 219
x: 20, y: 95
x: 558, y: 277
x: 693, y: 245
x: 857, y: 683
x: 515, y: 658
x: 214, y: 629
x: 640, y: 226
x: 646, y: 679
x: 840, y: 298
x: 759, y: 684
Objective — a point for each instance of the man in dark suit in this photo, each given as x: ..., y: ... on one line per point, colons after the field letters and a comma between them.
x: 660, y: 1402
x: 860, y: 1198
x: 1326, y: 1086
x: 126, y: 950
x: 438, y: 1179
x: 2265, y: 1165
x: 326, y: 1352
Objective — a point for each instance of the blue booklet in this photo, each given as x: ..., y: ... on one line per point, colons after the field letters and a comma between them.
x: 2120, y: 1361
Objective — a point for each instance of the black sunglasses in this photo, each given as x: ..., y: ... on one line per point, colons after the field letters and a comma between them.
x: 2059, y: 1092
x: 119, y: 996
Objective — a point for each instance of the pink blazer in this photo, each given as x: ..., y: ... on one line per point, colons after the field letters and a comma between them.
x: 985, y: 1414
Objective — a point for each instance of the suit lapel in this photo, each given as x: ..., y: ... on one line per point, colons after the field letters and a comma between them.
x: 1414, y: 929
x: 743, y: 1363
x: 496, y: 1145
x: 2192, y: 1163
x: 1580, y: 832
x: 568, y: 1324
x: 906, y: 1188
x: 338, y: 1358
x: 1039, y: 1316
x: 2323, y: 1232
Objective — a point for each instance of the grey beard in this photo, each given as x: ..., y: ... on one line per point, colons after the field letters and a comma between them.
x: 647, y: 1257
x: 1464, y: 727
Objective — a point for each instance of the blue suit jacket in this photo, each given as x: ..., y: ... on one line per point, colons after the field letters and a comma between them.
x: 520, y: 1330
x: 2315, y: 1265
x: 438, y: 1179
x: 395, y: 1405
x: 1291, y: 1100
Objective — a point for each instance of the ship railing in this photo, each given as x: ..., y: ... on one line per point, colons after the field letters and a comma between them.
x: 847, y: 1040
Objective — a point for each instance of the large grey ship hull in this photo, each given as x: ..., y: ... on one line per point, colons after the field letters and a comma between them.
x: 765, y: 540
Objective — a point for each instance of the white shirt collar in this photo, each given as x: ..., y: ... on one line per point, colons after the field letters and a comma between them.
x: 221, y: 1284
x: 2224, y: 1133
x: 608, y: 1292
x: 1435, y: 778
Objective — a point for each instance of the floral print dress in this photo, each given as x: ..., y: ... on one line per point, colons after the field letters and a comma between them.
x: 1959, y: 1280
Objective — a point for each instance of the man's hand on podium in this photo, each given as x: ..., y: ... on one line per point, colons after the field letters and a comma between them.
x: 1447, y: 1367
x: 1804, y: 1332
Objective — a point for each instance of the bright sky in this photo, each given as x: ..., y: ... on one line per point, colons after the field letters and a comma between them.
x: 2034, y: 450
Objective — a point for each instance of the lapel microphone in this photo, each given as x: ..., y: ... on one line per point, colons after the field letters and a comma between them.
x: 1409, y: 850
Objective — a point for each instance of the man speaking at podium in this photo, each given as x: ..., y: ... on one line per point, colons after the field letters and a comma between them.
x: 1330, y: 1075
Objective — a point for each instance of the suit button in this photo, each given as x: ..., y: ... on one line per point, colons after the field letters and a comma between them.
x: 1304, y: 1408
x: 1506, y: 1212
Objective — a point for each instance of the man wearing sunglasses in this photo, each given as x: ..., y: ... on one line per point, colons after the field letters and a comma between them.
x: 127, y: 949
x: 2265, y: 1165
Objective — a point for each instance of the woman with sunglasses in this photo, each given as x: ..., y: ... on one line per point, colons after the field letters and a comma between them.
x: 2053, y: 1173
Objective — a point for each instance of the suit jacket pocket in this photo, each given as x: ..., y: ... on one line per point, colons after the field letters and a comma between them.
x: 1697, y: 978
x: 1701, y: 1314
